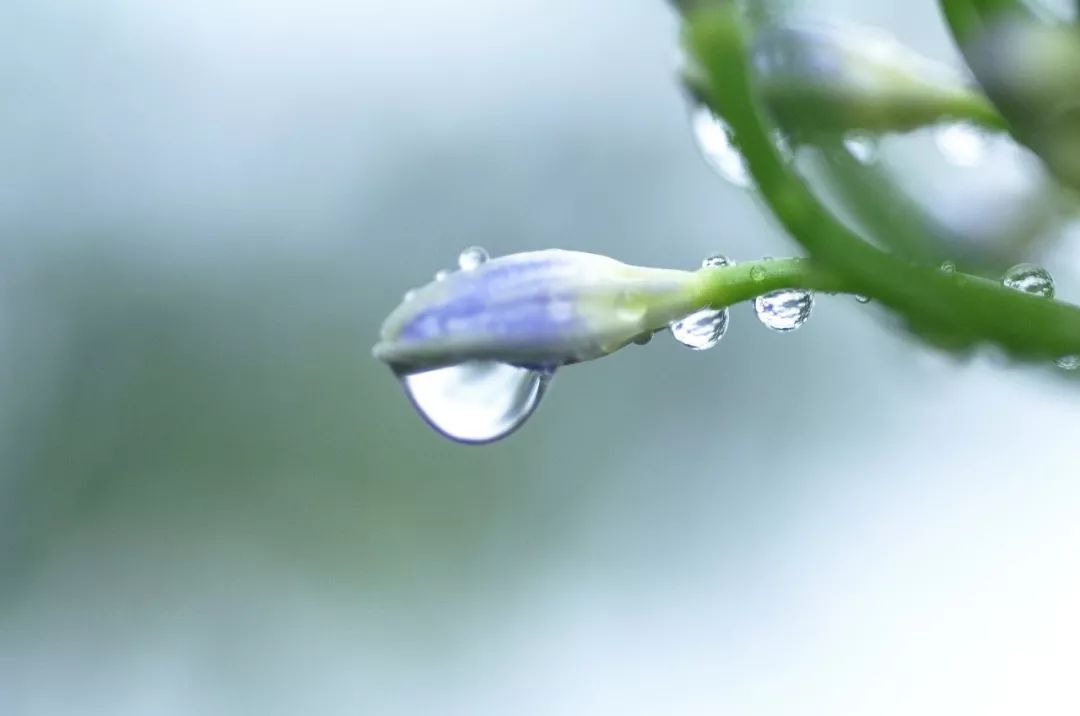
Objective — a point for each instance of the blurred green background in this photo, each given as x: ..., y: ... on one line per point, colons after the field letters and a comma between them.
x: 214, y: 501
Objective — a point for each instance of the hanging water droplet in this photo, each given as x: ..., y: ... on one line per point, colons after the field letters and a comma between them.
x: 947, y: 267
x: 716, y: 261
x: 472, y: 258
x: 863, y: 147
x: 701, y: 330
x: 757, y: 273
x: 1029, y: 278
x: 862, y: 299
x: 476, y: 401
x: 714, y: 140
x: 961, y: 143
x: 1070, y: 362
x: 785, y: 310
x: 442, y: 275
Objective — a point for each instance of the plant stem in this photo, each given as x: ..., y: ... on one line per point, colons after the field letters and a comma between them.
x: 727, y: 285
x: 947, y: 308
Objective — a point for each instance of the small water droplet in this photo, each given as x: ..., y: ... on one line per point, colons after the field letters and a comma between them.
x: 862, y: 299
x: 1070, y: 362
x: 757, y: 273
x: 863, y: 147
x: 442, y: 275
x: 716, y: 261
x: 961, y: 143
x: 472, y: 257
x: 1029, y: 278
x: 476, y: 401
x: 947, y: 267
x: 717, y: 147
x: 643, y: 339
x: 409, y: 295
x: 785, y: 310
x: 701, y: 330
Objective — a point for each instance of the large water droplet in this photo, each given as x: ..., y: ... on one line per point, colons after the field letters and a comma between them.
x: 472, y: 258
x: 476, y: 401
x: 785, y: 310
x: 714, y: 140
x: 863, y: 147
x: 701, y: 330
x: 961, y: 143
x: 1030, y: 278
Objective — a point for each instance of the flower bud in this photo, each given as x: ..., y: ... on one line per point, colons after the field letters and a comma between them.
x: 537, y: 309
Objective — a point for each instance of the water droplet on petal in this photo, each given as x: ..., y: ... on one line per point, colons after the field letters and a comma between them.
x: 862, y: 299
x: 1029, y: 278
x: 714, y: 140
x: 961, y: 143
x: 472, y: 258
x: 862, y: 147
x: 442, y: 275
x: 701, y: 330
x: 947, y: 267
x: 716, y: 261
x: 476, y: 401
x: 785, y: 310
x: 409, y: 295
x: 1070, y: 362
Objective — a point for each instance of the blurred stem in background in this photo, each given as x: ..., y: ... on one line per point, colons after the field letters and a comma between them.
x: 1030, y: 69
x: 948, y: 309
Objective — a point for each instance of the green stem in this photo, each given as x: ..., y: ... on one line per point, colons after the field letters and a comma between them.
x: 728, y: 285
x: 951, y: 309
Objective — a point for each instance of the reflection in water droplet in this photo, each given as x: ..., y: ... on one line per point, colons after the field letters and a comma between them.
x: 441, y: 275
x: 961, y: 143
x: 784, y: 311
x: 472, y: 257
x: 702, y: 330
x: 757, y: 273
x: 862, y: 147
x: 1029, y: 278
x: 714, y: 140
x: 862, y: 299
x: 716, y: 261
x: 1071, y: 362
x: 947, y: 266
x: 476, y: 401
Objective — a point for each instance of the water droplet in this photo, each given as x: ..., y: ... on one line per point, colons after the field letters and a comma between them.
x: 785, y: 310
x: 409, y: 295
x: 961, y: 143
x: 714, y: 140
x: 1029, y: 278
x: 442, y: 275
x: 947, y: 267
x: 643, y: 339
x: 716, y: 261
x: 472, y: 257
x: 757, y: 273
x: 1070, y: 362
x: 863, y: 147
x: 862, y: 299
x: 702, y: 330
x: 476, y: 401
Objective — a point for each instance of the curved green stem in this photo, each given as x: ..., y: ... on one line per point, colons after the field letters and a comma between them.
x: 947, y: 308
